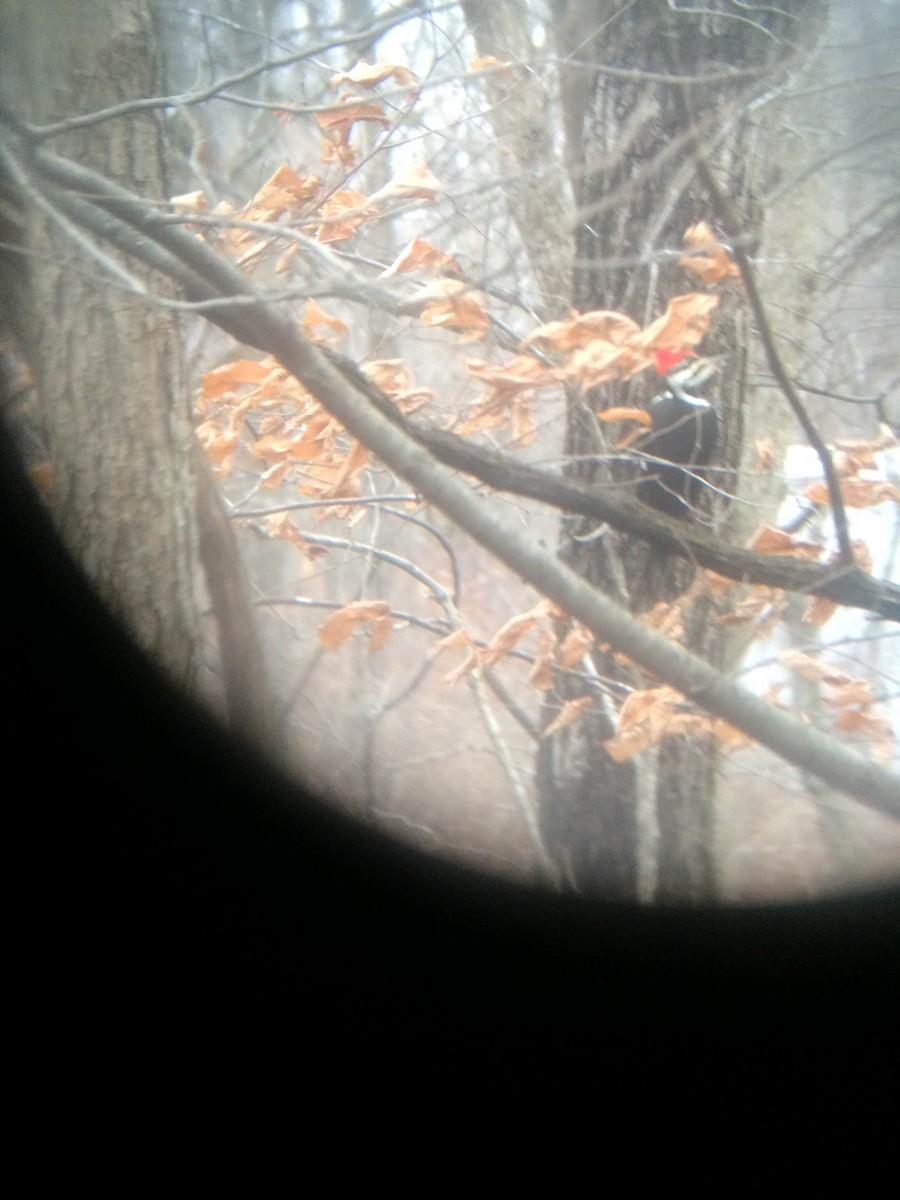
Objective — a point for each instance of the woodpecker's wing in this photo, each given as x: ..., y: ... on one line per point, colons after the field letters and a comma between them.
x: 684, y: 430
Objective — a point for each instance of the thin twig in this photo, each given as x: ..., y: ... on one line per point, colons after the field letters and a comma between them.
x: 728, y: 218
x: 38, y: 133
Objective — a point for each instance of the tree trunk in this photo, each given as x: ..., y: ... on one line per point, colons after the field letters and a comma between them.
x: 522, y: 116
x: 643, y: 829
x: 113, y: 404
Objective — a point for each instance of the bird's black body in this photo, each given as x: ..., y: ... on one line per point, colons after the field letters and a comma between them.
x: 684, y: 432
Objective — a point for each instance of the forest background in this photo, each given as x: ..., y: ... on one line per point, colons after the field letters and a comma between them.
x: 433, y: 192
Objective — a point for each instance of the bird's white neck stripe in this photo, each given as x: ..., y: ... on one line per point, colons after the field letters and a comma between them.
x: 697, y: 401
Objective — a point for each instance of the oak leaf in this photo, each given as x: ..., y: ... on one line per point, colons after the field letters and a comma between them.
x: 541, y: 675
x: 315, y: 317
x: 343, y: 623
x: 571, y: 711
x: 770, y: 540
x: 454, y: 305
x: 371, y: 74
x: 423, y: 256
x: 707, y: 257
x: 576, y: 644
x: 857, y: 493
x: 508, y: 636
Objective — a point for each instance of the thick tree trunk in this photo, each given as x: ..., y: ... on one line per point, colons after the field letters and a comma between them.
x: 643, y: 829
x: 113, y: 404
x: 522, y: 115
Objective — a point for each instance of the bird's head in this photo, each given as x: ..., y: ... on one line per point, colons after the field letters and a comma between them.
x: 692, y: 373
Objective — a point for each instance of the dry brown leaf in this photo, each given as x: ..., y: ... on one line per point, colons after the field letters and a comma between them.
x: 645, y: 717
x: 667, y: 617
x: 717, y: 584
x: 458, y: 308
x: 343, y: 115
x: 813, y: 668
x: 274, y: 447
x: 275, y: 475
x: 371, y: 74
x: 602, y: 361
x: 412, y: 183
x: 625, y: 745
x: 505, y: 401
x: 227, y: 378
x: 546, y: 607
x: 346, y: 478
x: 279, y: 525
x: 626, y: 414
x: 314, y: 318
x: 847, y: 695
x: 862, y: 555
x: 219, y: 446
x: 541, y: 675
x: 857, y: 493
x: 190, y: 202
x: 454, y: 640
x: 392, y: 376
x: 867, y: 448
x: 382, y: 627
x: 684, y: 323
x: 606, y: 345
x: 583, y: 328
x: 284, y: 263
x: 486, y: 60
x: 283, y: 190
x: 341, y: 216
x: 770, y: 540
x: 850, y: 460
x: 819, y: 611
x: 470, y: 663
x: 341, y: 624
x: 707, y: 258
x: 876, y: 728
x: 728, y: 737
x: 521, y: 373
x: 524, y: 426
x: 508, y: 636
x: 650, y: 705
x: 765, y: 455
x: 423, y: 256
x: 571, y: 711
x: 337, y: 124
x: 578, y: 642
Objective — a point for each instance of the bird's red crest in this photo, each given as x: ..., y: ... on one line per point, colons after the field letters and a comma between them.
x: 667, y: 359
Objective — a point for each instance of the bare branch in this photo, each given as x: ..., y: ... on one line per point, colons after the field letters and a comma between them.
x: 38, y: 133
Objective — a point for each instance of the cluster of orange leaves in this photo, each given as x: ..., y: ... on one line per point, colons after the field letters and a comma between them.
x: 706, y: 257
x: 653, y: 713
x: 588, y: 349
x: 857, y: 469
x: 294, y: 436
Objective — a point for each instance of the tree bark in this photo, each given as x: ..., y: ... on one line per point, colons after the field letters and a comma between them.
x: 643, y: 829
x: 108, y: 366
x: 522, y: 113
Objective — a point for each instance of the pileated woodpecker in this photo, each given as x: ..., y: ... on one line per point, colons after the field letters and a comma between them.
x: 683, y: 431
